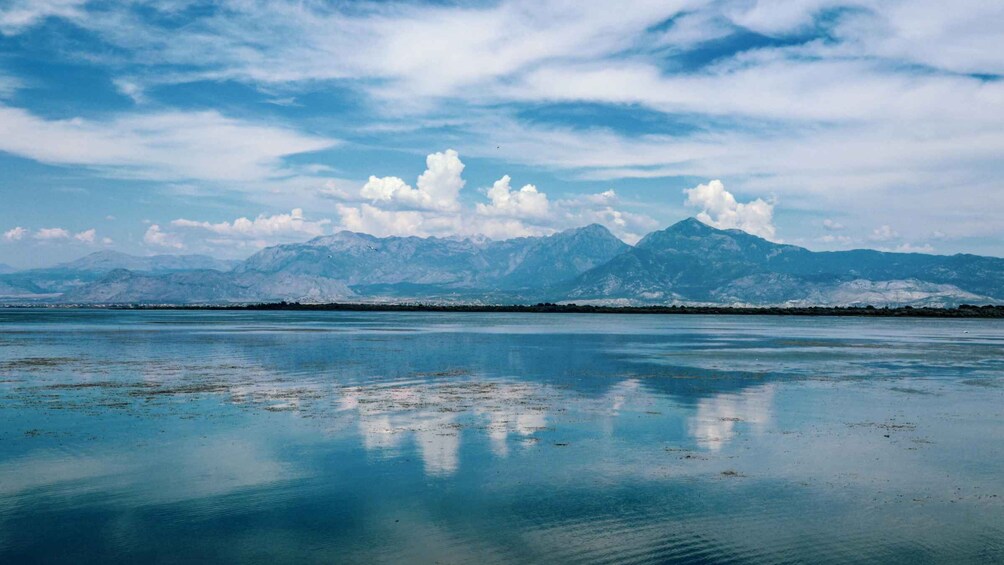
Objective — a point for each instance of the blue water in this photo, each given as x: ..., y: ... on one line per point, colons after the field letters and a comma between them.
x: 298, y: 437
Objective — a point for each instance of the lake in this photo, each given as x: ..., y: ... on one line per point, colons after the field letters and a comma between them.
x: 299, y: 437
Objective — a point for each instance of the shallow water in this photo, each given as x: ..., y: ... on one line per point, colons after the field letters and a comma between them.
x: 482, y: 438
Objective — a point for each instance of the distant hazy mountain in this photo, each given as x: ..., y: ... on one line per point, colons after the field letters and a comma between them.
x: 356, y: 266
x: 688, y: 262
x: 693, y: 262
x: 54, y: 282
x: 105, y: 261
x: 409, y: 265
x: 5, y: 268
x: 533, y: 263
x: 122, y: 286
x: 205, y: 287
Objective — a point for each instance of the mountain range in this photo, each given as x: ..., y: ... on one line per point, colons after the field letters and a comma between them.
x: 686, y: 263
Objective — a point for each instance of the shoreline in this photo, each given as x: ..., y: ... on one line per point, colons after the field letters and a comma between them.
x: 964, y: 311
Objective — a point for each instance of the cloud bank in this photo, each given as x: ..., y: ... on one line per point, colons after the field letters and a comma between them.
x: 388, y: 206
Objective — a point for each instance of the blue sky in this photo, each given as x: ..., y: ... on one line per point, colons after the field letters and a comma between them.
x: 219, y: 128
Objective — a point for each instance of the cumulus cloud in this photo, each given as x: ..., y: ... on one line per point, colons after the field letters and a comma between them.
x: 438, y: 186
x: 832, y: 225
x: 910, y: 248
x: 720, y: 209
x: 605, y: 198
x: 86, y: 236
x: 507, y: 228
x: 601, y: 208
x: 155, y: 237
x: 50, y: 234
x: 371, y: 219
x: 433, y: 208
x: 441, y: 178
x: 842, y: 240
x: 883, y: 233
x: 16, y: 233
x: 396, y: 208
x: 526, y: 202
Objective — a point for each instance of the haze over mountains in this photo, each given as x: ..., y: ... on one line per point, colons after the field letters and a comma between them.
x: 687, y: 263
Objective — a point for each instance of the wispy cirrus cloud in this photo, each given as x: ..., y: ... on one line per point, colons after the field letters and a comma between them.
x: 19, y: 15
x: 163, y: 146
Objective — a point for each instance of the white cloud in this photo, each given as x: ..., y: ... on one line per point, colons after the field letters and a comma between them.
x: 441, y: 179
x: 394, y: 208
x: 268, y: 227
x: 438, y: 186
x: 18, y: 15
x: 86, y: 236
x: 373, y: 220
x: 157, y: 238
x: 778, y: 17
x: 235, y: 238
x: 961, y: 37
x: 50, y: 234
x: 130, y: 89
x: 720, y: 209
x: 832, y: 225
x: 16, y: 233
x: 842, y: 240
x: 506, y: 228
x: 526, y: 202
x: 414, y: 52
x: 600, y: 208
x: 605, y: 198
x: 9, y: 85
x: 910, y: 248
x: 159, y: 146
x: 336, y: 190
x: 883, y: 233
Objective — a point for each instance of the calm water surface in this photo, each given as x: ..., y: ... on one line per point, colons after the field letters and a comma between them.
x: 297, y: 437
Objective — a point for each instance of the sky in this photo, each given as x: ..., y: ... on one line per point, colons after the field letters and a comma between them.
x: 220, y: 128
